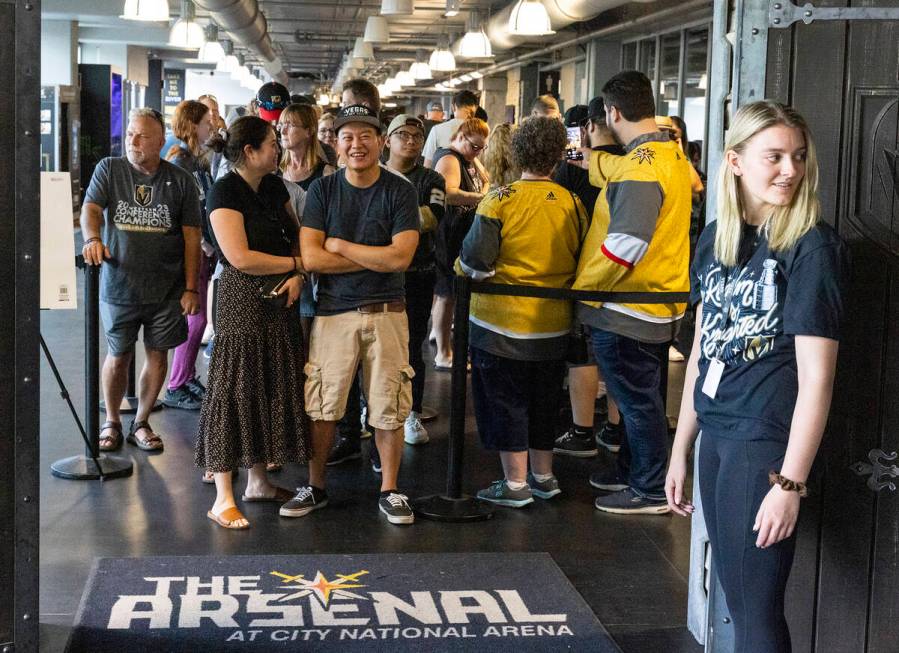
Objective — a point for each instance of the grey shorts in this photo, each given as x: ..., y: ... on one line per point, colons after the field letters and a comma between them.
x: 164, y: 325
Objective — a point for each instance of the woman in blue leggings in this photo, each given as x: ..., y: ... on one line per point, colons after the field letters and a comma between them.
x: 767, y: 281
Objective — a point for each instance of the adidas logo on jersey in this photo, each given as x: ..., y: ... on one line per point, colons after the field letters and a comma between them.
x: 550, y: 196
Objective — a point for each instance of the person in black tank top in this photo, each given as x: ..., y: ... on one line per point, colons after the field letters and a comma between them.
x: 465, y: 186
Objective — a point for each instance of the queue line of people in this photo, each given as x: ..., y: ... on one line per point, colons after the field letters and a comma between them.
x: 767, y: 283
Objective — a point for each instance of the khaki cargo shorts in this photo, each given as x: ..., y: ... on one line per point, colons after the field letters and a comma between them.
x: 338, y: 344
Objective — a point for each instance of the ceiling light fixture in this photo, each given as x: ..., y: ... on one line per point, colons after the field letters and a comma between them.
x: 420, y: 69
x: 384, y: 91
x: 377, y: 30
x: 530, y: 18
x: 187, y: 32
x: 146, y: 10
x: 211, y: 51
x: 405, y: 78
x: 452, y: 8
x: 476, y: 74
x: 466, y: 78
x: 396, y: 8
x: 442, y: 59
x: 324, y: 99
x: 228, y: 63
x: 363, y: 50
x: 475, y: 44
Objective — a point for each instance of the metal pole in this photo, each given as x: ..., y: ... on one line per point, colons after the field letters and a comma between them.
x: 92, y: 465
x: 459, y: 387
x: 454, y: 506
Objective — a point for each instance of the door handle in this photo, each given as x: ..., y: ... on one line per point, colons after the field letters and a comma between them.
x: 878, y: 471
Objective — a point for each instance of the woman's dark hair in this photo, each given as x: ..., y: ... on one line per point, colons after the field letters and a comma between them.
x: 630, y: 92
x: 539, y: 144
x: 682, y: 126
x: 246, y: 130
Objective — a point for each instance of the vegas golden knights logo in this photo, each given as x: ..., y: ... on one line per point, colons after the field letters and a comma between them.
x: 143, y: 194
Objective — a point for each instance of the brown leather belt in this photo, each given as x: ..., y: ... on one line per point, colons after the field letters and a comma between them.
x: 397, y: 306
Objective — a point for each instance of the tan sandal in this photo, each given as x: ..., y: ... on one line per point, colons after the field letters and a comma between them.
x: 228, y: 518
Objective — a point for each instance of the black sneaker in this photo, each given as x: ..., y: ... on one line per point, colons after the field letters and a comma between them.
x: 182, y: 398
x: 344, y: 449
x: 571, y: 443
x: 608, y: 481
x: 196, y: 387
x: 307, y: 499
x: 628, y: 502
x: 375, y: 458
x: 543, y: 489
x: 610, y: 435
x: 396, y: 507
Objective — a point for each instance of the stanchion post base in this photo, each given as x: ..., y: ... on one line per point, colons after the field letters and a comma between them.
x: 82, y: 468
x: 129, y: 405
x: 442, y: 508
x: 428, y: 413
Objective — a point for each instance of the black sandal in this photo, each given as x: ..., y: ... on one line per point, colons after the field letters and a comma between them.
x: 115, y: 439
x: 152, y: 443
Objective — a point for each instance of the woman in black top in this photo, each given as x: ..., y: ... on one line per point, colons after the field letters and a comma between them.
x: 768, y: 283
x: 466, y: 184
x: 253, y: 413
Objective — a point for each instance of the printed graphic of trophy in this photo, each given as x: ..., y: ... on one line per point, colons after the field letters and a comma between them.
x: 766, y: 289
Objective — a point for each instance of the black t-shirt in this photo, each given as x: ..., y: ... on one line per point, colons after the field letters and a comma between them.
x: 366, y: 216
x: 774, y: 297
x: 431, y: 189
x: 268, y: 225
x: 577, y: 180
x: 317, y: 172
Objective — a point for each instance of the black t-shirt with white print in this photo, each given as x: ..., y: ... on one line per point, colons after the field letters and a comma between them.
x: 774, y: 297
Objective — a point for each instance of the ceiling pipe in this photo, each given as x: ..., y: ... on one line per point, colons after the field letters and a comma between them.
x: 246, y: 25
x: 633, y: 23
x: 562, y: 13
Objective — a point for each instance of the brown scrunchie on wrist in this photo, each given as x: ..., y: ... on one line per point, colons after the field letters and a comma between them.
x: 790, y: 486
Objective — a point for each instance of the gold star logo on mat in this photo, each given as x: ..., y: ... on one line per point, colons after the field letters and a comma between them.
x: 643, y: 154
x: 320, y: 586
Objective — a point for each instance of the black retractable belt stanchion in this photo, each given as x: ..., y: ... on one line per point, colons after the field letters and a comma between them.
x: 93, y: 465
x: 454, y: 506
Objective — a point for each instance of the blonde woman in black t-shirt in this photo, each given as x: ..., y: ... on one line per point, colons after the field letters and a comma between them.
x: 767, y: 282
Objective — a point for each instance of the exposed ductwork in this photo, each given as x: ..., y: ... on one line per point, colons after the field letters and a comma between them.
x: 247, y: 26
x: 562, y: 13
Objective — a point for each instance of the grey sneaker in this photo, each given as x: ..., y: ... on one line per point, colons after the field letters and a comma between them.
x: 414, y: 431
x: 396, y: 507
x: 571, y: 443
x: 544, y: 489
x: 501, y: 494
x: 628, y: 502
x: 608, y: 481
x: 308, y: 498
x: 183, y: 398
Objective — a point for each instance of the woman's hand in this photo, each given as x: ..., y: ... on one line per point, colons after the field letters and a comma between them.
x: 675, y: 483
x: 776, y: 518
x: 292, y: 287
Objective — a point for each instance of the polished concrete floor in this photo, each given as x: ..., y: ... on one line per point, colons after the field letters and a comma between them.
x: 631, y: 570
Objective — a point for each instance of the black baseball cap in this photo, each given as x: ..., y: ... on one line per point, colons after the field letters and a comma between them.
x: 273, y: 98
x: 357, y: 113
x: 596, y: 111
x: 576, y: 116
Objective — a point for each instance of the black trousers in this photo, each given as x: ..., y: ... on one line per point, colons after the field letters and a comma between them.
x: 733, y: 480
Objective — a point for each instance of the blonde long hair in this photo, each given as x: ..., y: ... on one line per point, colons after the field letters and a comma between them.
x: 309, y: 120
x: 497, y: 158
x: 786, y: 224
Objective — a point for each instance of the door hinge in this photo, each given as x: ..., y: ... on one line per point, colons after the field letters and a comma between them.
x: 784, y: 13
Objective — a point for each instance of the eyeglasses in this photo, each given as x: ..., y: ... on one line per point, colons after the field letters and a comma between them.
x: 324, y: 131
x: 282, y: 126
x: 407, y: 136
x: 476, y: 148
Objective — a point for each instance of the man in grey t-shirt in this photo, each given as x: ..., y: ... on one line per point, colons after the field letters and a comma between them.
x: 141, y: 219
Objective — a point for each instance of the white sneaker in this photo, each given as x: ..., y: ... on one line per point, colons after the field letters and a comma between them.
x: 675, y: 356
x: 415, y: 432
x: 207, y: 335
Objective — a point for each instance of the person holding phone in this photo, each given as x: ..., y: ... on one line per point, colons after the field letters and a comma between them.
x: 768, y: 284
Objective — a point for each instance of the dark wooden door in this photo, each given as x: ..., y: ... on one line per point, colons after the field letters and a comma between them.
x: 844, y: 78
